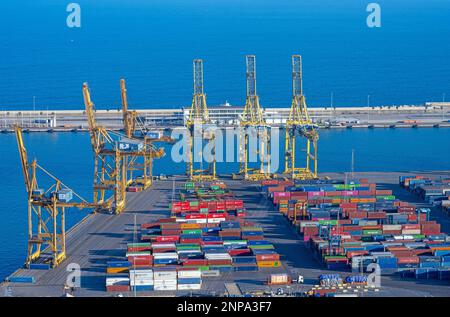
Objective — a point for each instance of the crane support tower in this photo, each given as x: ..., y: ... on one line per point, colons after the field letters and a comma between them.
x: 300, y: 124
x: 46, y: 211
x: 134, y: 128
x: 253, y: 124
x: 196, y: 125
x: 110, y: 170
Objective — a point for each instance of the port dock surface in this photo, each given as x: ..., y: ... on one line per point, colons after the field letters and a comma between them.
x: 427, y: 115
x: 103, y: 237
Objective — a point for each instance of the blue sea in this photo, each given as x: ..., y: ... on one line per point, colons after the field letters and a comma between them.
x: 152, y: 43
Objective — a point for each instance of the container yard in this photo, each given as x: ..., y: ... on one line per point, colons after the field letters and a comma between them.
x: 162, y: 247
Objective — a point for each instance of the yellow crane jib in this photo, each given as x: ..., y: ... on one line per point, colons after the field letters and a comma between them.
x: 140, y: 166
x: 110, y: 165
x: 46, y: 211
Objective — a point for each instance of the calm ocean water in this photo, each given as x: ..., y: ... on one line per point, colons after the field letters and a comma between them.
x: 152, y: 44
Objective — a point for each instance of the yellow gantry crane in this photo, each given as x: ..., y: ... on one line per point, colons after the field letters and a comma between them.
x: 300, y: 124
x: 195, y: 124
x: 144, y: 169
x: 253, y: 124
x: 46, y: 211
x: 110, y: 170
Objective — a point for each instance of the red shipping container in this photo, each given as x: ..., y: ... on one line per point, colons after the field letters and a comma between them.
x: 167, y: 238
x: 171, y: 232
x: 348, y: 205
x: 196, y: 216
x: 351, y: 254
x: 411, y: 226
x: 118, y: 288
x: 211, y: 243
x: 376, y: 215
x: 195, y: 262
x: 167, y: 220
x: 408, y: 259
x: 217, y: 215
x: 253, y: 238
x: 149, y: 225
x: 242, y: 252
x: 351, y: 228
x: 310, y: 231
x: 267, y: 257
x: 402, y: 253
x: 269, y: 182
x: 219, y: 262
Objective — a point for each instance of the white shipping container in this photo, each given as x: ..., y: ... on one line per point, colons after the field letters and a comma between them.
x: 117, y: 280
x: 168, y: 255
x: 244, y: 243
x: 165, y: 274
x: 217, y: 256
x: 411, y: 231
x: 165, y: 283
x: 189, y: 251
x: 146, y: 253
x: 392, y: 227
x: 147, y: 275
x: 309, y: 224
x: 216, y: 220
x: 141, y: 272
x: 165, y: 287
x: 188, y: 287
x: 163, y: 245
x: 210, y: 273
x: 189, y: 274
x: 141, y: 282
x: 403, y: 237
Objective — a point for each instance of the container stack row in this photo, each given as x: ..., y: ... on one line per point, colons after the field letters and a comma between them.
x: 207, y: 233
x: 432, y: 191
x: 351, y: 226
x: 156, y: 279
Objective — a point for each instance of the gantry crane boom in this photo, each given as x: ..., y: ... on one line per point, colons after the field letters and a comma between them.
x: 129, y: 117
x: 252, y: 123
x: 195, y: 124
x: 300, y: 124
x: 46, y: 211
x: 110, y: 170
x: 131, y: 124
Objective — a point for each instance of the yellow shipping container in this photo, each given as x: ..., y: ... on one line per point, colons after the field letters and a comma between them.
x: 190, y: 226
x: 115, y: 270
x: 268, y: 263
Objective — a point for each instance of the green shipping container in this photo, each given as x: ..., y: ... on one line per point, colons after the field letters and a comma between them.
x: 192, y: 231
x: 372, y: 232
x: 328, y: 222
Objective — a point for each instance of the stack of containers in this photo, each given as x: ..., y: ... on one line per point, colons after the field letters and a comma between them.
x: 141, y: 280
x: 430, y: 190
x: 165, y: 279
x: 189, y: 280
x: 245, y: 263
x: 114, y: 267
x: 372, y: 226
x: 118, y: 283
